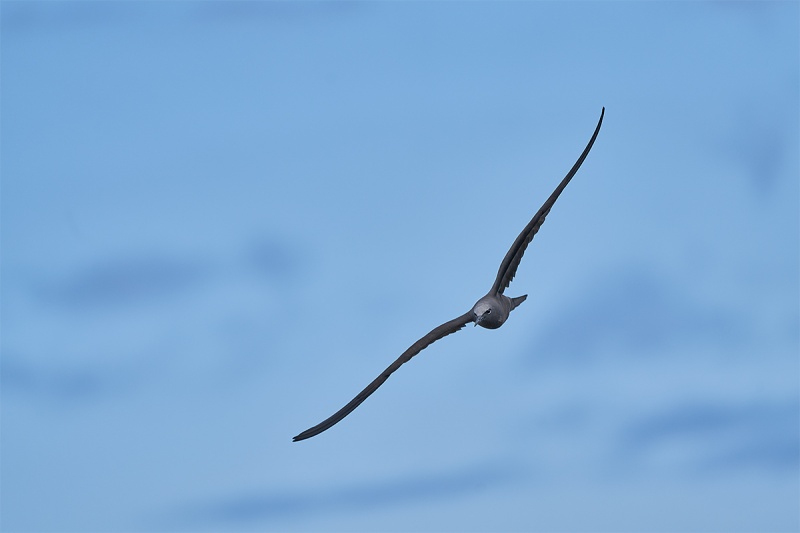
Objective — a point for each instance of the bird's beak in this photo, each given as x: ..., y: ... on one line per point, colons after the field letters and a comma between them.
x: 477, y: 319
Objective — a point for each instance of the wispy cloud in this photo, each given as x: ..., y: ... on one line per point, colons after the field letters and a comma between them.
x: 271, y: 506
x: 65, y: 386
x: 722, y: 437
x: 634, y: 311
x: 121, y: 282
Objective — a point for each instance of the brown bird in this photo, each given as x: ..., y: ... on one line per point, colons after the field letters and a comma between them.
x: 491, y: 311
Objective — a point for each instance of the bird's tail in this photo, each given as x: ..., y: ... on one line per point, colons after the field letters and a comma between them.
x: 518, y: 300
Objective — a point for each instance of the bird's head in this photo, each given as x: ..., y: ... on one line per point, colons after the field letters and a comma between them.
x: 482, y: 315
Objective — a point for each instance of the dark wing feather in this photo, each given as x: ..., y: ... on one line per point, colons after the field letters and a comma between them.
x: 511, y: 261
x: 442, y: 331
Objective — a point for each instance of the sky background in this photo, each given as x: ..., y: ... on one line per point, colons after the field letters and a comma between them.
x: 220, y: 221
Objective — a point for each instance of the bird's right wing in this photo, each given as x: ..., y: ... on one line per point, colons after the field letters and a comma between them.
x: 437, y: 333
x: 511, y: 261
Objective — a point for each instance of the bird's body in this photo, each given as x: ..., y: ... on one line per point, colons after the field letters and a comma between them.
x: 490, y: 312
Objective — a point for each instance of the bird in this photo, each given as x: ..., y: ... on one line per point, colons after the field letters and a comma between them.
x: 490, y: 312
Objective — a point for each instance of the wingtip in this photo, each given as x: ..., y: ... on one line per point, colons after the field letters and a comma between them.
x: 310, y: 432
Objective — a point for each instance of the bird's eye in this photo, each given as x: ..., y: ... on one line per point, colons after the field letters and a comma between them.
x: 488, y: 311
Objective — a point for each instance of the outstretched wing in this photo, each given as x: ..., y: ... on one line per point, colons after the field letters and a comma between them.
x: 511, y: 261
x: 442, y: 331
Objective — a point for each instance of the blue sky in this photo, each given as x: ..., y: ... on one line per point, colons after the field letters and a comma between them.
x: 220, y: 221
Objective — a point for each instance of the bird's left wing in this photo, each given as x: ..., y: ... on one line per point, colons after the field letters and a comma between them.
x: 511, y: 261
x: 437, y: 333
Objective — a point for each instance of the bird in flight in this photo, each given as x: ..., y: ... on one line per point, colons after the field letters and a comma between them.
x: 491, y: 311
